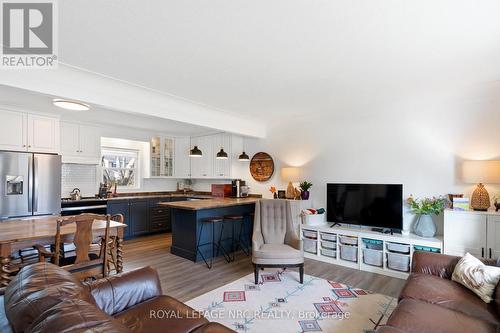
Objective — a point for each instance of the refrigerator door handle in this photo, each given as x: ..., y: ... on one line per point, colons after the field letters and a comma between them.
x: 30, y: 183
x: 35, y: 185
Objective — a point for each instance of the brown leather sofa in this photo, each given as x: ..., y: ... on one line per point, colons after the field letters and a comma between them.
x: 45, y: 298
x: 431, y: 302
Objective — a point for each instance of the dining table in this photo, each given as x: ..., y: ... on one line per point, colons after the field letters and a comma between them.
x: 21, y: 234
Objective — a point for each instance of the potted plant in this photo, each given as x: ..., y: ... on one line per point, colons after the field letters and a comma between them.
x: 424, y: 208
x: 304, y: 189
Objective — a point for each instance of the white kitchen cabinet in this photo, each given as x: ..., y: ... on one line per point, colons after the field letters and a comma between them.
x: 80, y: 143
x: 222, y: 168
x: 21, y: 131
x: 162, y: 156
x: 203, y: 167
x: 13, y: 130
x: 90, y: 142
x: 182, y: 162
x: 472, y: 231
x: 43, y: 134
x: 493, y: 236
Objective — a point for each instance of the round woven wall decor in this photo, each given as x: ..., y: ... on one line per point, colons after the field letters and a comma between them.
x: 262, y: 167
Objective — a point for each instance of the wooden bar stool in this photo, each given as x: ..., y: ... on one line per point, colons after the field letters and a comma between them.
x: 213, y: 221
x: 237, y: 242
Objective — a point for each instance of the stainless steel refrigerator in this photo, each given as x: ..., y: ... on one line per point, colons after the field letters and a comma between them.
x: 30, y: 184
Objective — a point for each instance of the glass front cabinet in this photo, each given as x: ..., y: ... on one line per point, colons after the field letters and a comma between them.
x: 162, y: 157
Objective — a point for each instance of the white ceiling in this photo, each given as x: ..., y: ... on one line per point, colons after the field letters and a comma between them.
x: 270, y: 59
x: 23, y: 100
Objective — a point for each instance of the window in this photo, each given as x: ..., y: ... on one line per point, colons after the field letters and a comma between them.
x: 120, y: 166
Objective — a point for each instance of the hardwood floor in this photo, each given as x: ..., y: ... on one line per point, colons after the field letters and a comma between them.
x: 185, y: 280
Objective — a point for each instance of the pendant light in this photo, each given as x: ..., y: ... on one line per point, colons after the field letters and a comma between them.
x: 221, y: 155
x: 195, y: 152
x: 243, y: 156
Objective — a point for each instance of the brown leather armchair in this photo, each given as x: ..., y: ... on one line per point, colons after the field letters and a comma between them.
x: 45, y: 298
x: 431, y: 302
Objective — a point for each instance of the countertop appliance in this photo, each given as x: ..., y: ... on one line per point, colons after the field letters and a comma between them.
x: 31, y: 184
x: 236, y: 188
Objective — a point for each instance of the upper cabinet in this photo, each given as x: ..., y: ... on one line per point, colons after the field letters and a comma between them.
x: 21, y: 131
x: 162, y: 157
x: 80, y: 143
x: 208, y: 166
x: 203, y: 166
x: 222, y: 167
x: 182, y: 163
x: 170, y: 157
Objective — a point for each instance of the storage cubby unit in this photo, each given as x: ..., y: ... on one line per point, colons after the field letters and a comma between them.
x: 364, y: 249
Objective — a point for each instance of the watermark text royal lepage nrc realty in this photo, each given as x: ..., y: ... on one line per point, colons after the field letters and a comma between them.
x: 29, y: 34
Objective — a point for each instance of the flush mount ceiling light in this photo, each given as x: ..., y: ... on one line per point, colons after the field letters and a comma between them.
x: 70, y: 105
x: 221, y: 155
x: 195, y: 152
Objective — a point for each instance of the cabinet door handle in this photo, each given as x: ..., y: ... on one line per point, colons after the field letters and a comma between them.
x: 29, y: 146
x: 490, y: 252
x: 482, y: 252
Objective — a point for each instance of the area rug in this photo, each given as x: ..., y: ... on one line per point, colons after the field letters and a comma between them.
x: 279, y: 303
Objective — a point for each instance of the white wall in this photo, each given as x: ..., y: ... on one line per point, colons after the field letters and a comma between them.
x: 416, y: 142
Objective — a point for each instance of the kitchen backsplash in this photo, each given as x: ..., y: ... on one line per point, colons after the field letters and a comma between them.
x: 87, y: 177
x: 83, y: 176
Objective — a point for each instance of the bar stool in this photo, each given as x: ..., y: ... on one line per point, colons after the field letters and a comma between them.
x: 213, y: 221
x: 237, y: 243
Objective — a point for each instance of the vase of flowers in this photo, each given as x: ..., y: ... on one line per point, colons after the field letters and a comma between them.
x: 272, y: 189
x: 304, y: 189
x: 424, y: 209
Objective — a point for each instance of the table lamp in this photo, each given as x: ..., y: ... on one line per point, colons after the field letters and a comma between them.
x: 292, y: 175
x: 480, y: 172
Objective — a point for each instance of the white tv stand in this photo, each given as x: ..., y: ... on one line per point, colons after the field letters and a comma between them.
x: 328, y: 244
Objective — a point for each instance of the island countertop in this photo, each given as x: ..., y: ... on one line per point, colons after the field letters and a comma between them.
x: 210, y: 203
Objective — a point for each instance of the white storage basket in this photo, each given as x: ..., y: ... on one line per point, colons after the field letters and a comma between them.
x: 328, y: 245
x: 348, y: 240
x: 314, y: 219
x: 329, y: 253
x: 310, y: 234
x: 329, y: 237
x: 373, y: 257
x: 399, y: 248
x: 398, y: 262
x: 310, y: 245
x: 349, y: 252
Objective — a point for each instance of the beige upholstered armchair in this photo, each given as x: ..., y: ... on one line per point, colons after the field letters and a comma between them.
x: 275, y: 242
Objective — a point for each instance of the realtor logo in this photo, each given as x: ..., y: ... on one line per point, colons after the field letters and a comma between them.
x: 28, y: 34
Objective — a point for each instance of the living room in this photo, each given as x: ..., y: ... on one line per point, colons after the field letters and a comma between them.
x: 297, y: 166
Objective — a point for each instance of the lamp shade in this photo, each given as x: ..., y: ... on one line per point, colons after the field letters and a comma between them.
x: 290, y: 174
x: 481, y: 172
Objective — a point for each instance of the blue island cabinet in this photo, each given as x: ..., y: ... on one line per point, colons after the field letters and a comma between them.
x: 187, y: 230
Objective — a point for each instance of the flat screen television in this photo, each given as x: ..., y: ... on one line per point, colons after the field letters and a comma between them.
x: 374, y: 205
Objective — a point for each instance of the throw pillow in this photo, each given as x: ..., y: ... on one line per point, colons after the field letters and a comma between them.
x: 476, y: 276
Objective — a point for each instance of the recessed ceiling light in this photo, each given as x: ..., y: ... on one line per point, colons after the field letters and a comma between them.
x: 70, y: 105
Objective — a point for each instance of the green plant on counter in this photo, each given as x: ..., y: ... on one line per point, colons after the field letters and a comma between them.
x: 427, y: 206
x: 305, y: 186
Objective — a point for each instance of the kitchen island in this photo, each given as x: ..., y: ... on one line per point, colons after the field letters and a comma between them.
x: 187, y: 231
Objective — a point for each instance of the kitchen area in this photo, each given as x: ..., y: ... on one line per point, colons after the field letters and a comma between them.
x: 54, y: 167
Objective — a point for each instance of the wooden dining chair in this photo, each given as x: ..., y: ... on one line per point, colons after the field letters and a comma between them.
x: 111, y: 248
x: 88, y: 261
